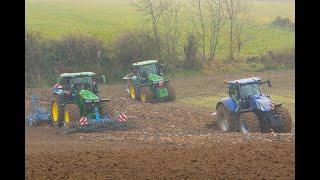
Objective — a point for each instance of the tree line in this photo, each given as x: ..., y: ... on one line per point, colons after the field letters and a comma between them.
x: 167, y: 40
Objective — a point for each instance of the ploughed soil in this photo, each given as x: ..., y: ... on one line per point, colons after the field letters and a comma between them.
x: 165, y: 140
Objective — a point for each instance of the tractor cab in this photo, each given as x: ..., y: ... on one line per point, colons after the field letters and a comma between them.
x: 73, y: 83
x: 246, y: 93
x: 143, y: 69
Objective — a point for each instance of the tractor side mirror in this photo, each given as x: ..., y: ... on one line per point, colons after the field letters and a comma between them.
x: 162, y: 69
x: 269, y: 83
x: 101, y: 79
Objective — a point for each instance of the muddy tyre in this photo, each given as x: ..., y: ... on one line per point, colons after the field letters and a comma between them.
x: 56, y: 111
x: 224, y: 118
x: 146, y: 94
x: 249, y: 122
x: 171, y: 92
x: 286, y: 118
x: 107, y: 108
x: 71, y: 115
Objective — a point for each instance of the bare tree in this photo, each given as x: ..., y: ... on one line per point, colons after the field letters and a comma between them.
x: 216, y: 22
x: 153, y: 9
x: 172, y: 29
x: 200, y: 21
x: 237, y: 12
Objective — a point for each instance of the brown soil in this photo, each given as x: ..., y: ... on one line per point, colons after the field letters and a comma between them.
x: 168, y: 140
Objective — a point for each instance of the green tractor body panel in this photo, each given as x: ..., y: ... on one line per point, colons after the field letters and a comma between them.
x: 88, y: 95
x: 156, y: 79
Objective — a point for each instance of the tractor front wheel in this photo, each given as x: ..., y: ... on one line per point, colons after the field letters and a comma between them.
x: 171, y: 92
x: 71, y: 115
x: 145, y: 94
x: 56, y: 111
x: 106, y: 108
x: 248, y: 121
x: 223, y: 118
x: 285, y: 117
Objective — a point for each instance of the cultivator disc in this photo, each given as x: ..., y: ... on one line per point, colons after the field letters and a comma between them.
x: 93, y: 125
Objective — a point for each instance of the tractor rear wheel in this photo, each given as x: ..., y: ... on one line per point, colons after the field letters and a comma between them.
x: 132, y: 91
x: 106, y: 108
x: 223, y: 118
x: 286, y: 118
x: 56, y: 111
x: 71, y: 115
x: 249, y: 121
x: 145, y: 94
x: 171, y: 92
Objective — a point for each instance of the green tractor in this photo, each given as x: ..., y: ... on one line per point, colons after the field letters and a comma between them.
x: 147, y: 82
x: 76, y: 102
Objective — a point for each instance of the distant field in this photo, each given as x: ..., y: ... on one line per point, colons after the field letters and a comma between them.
x: 107, y: 18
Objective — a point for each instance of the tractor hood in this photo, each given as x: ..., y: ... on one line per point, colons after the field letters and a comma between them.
x: 154, y: 78
x: 88, y: 95
x: 261, y: 103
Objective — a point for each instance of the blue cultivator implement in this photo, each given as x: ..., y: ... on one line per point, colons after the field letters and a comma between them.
x: 38, y: 113
x: 86, y: 124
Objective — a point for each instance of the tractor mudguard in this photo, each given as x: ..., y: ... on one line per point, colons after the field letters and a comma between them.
x: 229, y: 104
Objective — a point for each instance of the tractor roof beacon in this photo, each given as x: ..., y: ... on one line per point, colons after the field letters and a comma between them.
x: 248, y: 109
x: 147, y: 82
x: 76, y: 104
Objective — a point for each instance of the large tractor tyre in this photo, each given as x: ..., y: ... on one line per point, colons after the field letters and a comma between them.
x: 107, y: 108
x: 224, y: 119
x: 146, y: 94
x: 171, y: 92
x: 286, y: 118
x: 56, y: 111
x: 71, y: 115
x: 132, y: 91
x: 249, y: 122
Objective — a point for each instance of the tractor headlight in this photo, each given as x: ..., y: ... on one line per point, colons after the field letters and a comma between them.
x: 261, y: 107
x: 88, y: 101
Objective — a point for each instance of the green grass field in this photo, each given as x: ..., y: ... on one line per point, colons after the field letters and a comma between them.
x: 108, y: 18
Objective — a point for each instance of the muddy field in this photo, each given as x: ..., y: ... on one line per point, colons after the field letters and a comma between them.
x: 170, y: 140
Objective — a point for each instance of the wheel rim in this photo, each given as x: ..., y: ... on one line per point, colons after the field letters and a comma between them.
x: 143, y: 97
x: 223, y: 123
x: 55, y: 112
x: 132, y: 93
x: 66, y: 117
x: 244, y: 126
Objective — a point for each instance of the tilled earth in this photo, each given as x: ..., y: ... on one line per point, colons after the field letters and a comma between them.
x: 168, y: 140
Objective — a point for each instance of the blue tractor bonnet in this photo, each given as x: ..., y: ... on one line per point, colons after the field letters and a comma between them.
x: 261, y: 103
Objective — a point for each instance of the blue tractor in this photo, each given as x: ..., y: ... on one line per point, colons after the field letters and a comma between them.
x: 247, y: 109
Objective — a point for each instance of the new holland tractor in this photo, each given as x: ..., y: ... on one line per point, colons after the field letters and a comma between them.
x: 247, y: 109
x: 76, y: 104
x: 147, y: 82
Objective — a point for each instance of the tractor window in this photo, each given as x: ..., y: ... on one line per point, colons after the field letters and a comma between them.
x: 249, y: 89
x: 233, y: 93
x: 135, y: 71
x: 80, y: 83
x: 147, y: 69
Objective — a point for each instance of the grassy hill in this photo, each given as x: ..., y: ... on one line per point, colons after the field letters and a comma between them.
x: 107, y: 18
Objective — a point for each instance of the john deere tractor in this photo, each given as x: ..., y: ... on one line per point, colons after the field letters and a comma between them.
x: 76, y: 102
x: 248, y: 110
x: 147, y: 82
